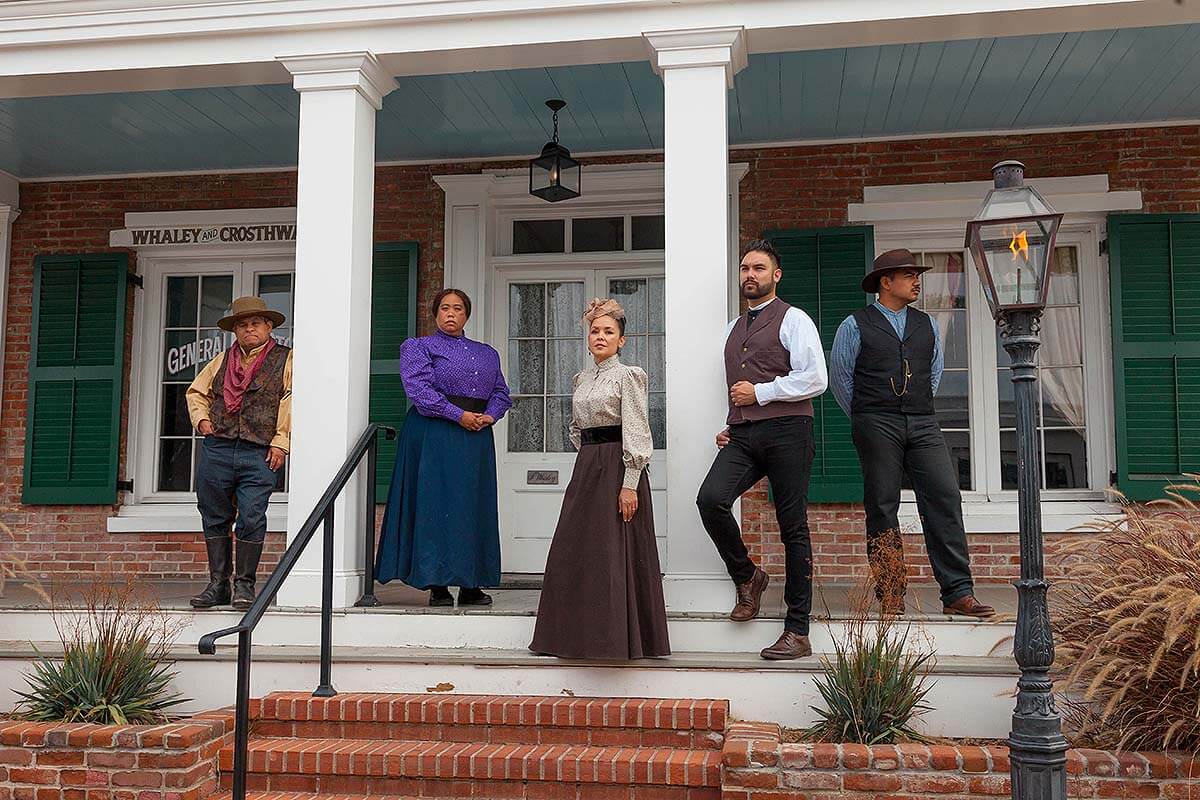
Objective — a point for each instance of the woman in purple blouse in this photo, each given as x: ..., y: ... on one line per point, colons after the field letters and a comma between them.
x: 441, y: 527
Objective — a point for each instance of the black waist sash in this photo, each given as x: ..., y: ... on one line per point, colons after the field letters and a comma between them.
x: 605, y: 434
x: 475, y: 405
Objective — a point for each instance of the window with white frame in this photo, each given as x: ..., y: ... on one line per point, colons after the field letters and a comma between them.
x: 974, y: 403
x: 586, y: 234
x: 190, y: 299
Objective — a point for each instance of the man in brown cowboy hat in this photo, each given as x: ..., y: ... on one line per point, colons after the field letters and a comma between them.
x: 242, y: 403
x: 885, y: 367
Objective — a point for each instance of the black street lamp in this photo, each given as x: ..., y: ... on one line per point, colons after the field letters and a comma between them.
x: 554, y: 175
x: 1012, y: 242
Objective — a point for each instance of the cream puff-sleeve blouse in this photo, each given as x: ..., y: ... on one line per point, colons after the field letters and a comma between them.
x: 611, y: 393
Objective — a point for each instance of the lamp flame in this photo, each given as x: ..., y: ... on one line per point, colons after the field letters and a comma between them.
x: 1019, y: 246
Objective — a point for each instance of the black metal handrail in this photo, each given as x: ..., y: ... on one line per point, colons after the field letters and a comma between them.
x: 367, y: 445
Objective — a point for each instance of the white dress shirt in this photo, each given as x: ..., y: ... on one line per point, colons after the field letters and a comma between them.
x: 800, y: 338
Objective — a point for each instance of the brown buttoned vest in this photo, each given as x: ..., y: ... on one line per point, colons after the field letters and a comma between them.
x: 754, y: 353
x: 259, y: 414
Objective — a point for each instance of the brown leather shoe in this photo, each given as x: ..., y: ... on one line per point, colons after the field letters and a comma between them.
x: 790, y: 645
x: 749, y: 597
x: 968, y: 606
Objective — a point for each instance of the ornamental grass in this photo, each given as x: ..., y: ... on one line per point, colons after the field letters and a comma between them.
x: 115, y: 667
x: 1127, y: 628
x: 875, y: 685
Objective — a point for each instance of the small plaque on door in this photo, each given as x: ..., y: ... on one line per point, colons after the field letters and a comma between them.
x: 541, y: 477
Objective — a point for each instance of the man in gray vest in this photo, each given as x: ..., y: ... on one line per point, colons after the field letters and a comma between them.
x: 885, y: 367
x: 774, y: 367
x: 242, y: 403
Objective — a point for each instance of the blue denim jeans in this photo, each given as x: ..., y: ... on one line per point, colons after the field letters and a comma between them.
x: 233, y: 479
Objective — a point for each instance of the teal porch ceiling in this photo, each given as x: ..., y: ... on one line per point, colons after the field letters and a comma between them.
x: 1129, y: 76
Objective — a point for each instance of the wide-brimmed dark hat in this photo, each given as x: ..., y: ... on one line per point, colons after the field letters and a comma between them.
x: 887, y: 262
x: 248, y: 307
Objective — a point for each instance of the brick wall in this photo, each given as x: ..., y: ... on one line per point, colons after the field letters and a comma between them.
x: 810, y: 187
x: 59, y: 761
x: 757, y: 766
x: 786, y: 187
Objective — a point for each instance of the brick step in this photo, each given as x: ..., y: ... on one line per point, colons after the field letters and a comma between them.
x: 419, y: 768
x: 600, y: 722
x: 333, y: 789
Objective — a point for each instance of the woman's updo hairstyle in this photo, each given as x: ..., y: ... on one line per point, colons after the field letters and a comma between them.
x: 604, y: 307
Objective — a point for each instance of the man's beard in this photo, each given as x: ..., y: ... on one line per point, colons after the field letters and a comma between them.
x: 760, y: 290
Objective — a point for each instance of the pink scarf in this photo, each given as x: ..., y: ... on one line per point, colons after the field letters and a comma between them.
x: 239, y: 376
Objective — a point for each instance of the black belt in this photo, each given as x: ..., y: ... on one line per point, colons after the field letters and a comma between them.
x: 473, y: 404
x: 604, y: 434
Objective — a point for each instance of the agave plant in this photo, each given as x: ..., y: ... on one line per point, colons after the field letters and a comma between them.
x: 1127, y: 624
x: 875, y: 685
x: 874, y: 691
x: 114, y: 669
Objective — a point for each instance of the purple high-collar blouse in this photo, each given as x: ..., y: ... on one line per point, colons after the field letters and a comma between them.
x: 437, y: 366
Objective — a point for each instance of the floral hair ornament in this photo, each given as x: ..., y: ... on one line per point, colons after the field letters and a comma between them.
x: 602, y: 307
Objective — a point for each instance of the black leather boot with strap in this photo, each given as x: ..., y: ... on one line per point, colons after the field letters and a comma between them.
x: 219, y: 570
x: 247, y: 555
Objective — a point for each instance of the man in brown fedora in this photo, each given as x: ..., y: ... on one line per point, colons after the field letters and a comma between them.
x: 242, y: 404
x: 885, y: 367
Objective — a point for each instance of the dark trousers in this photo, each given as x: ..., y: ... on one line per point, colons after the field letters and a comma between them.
x: 233, y: 479
x: 891, y: 444
x: 782, y: 450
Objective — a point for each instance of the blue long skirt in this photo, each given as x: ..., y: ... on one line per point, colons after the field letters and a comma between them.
x: 441, y: 526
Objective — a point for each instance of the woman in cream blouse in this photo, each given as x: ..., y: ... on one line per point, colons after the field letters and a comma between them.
x: 602, y: 594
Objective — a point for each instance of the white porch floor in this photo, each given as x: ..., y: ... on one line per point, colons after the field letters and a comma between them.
x: 405, y: 646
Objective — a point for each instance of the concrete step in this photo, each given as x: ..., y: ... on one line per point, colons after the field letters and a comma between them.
x: 513, y: 630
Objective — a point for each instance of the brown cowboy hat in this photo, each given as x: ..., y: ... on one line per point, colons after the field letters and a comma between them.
x: 248, y: 307
x: 887, y: 262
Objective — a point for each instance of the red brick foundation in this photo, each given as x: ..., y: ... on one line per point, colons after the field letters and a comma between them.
x: 55, y: 761
x: 792, y: 187
x: 757, y: 766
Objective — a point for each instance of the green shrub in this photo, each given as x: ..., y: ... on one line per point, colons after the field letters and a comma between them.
x: 114, y: 669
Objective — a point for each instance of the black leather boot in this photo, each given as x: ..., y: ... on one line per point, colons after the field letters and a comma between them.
x: 217, y: 591
x: 247, y: 555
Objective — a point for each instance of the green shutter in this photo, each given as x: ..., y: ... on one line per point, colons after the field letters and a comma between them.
x: 1154, y: 264
x: 822, y: 270
x: 73, y: 423
x: 393, y: 319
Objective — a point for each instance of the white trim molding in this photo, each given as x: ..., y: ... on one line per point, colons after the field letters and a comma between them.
x: 704, y: 47
x: 360, y: 71
x: 929, y: 202
x: 10, y: 202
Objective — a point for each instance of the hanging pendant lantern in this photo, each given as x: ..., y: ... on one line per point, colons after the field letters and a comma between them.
x: 554, y: 175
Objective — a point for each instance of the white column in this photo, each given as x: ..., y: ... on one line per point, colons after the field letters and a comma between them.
x: 9, y: 199
x: 464, y: 264
x: 339, y: 95
x: 697, y: 69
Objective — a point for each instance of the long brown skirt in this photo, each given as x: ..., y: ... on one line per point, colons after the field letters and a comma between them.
x: 602, y: 596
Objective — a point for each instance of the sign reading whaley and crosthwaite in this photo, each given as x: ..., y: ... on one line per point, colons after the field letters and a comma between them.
x: 208, y: 228
x: 142, y: 237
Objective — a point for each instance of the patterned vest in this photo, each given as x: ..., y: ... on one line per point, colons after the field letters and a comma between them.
x: 260, y: 405
x: 754, y: 353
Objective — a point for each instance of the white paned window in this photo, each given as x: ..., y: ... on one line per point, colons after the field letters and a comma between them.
x: 644, y: 301
x: 545, y: 351
x: 974, y: 403
x: 1061, y: 404
x: 187, y: 300
x: 585, y: 234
